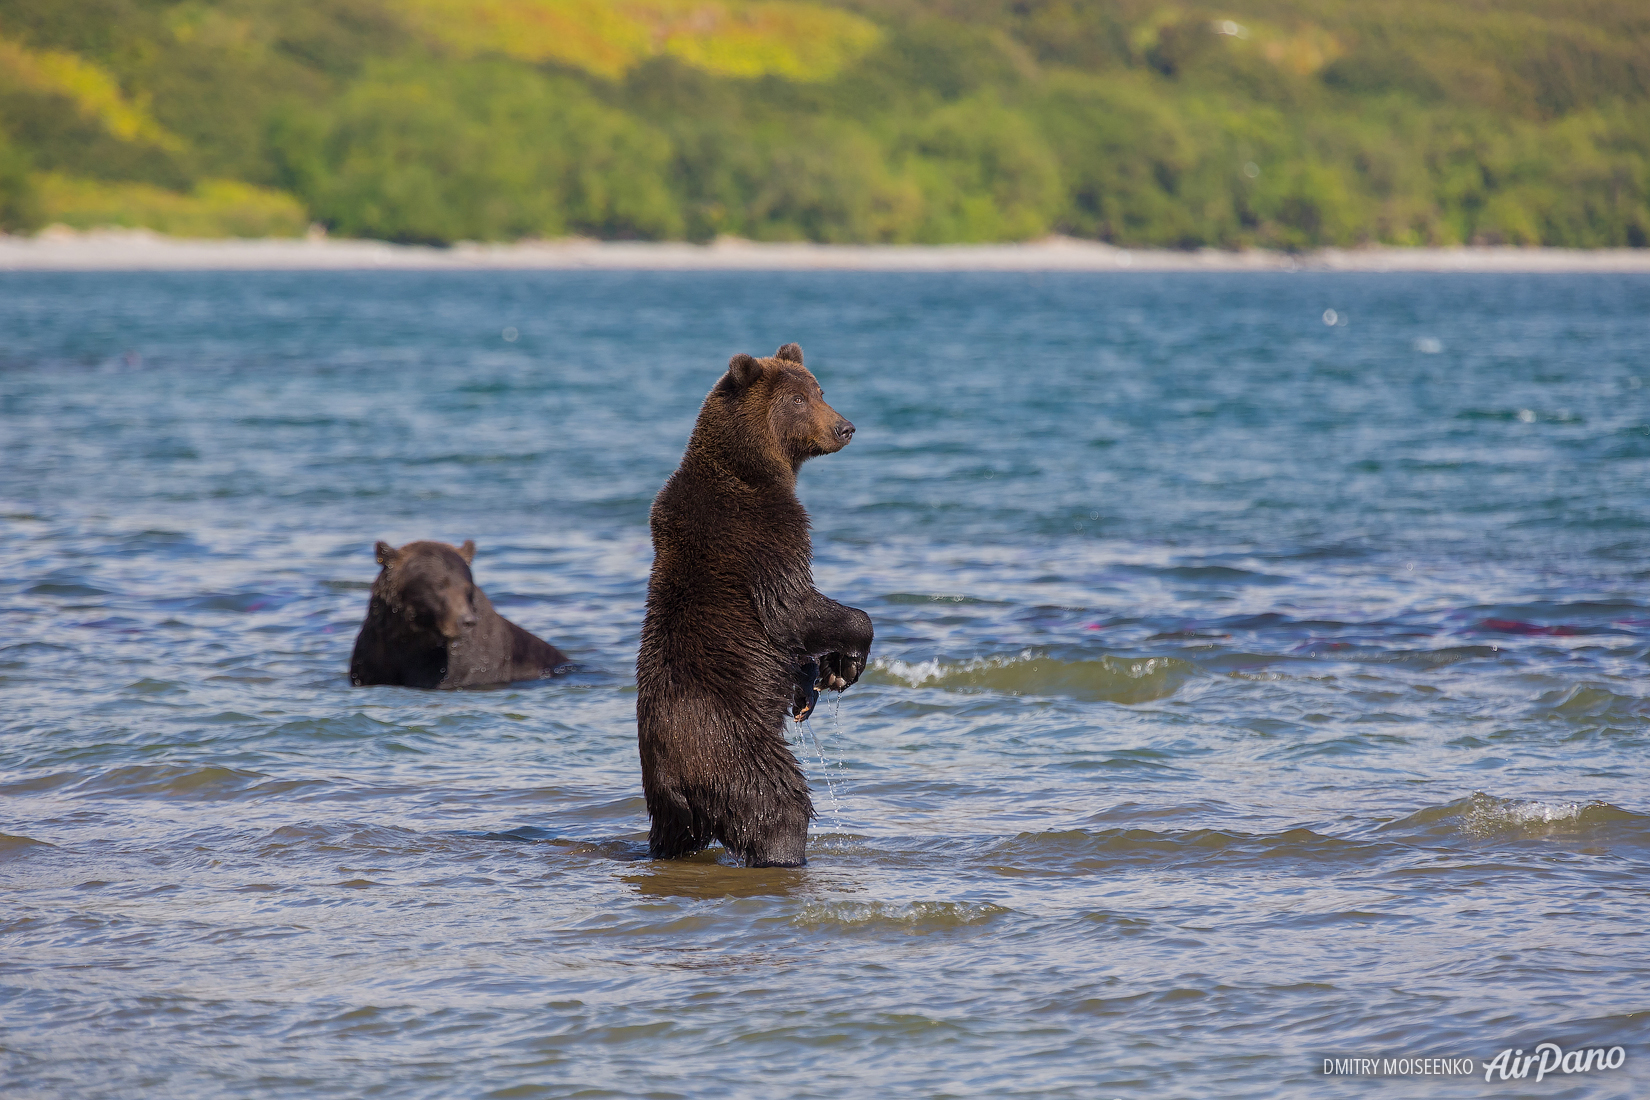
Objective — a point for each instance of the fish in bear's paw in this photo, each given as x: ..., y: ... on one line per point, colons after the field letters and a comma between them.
x: 736, y: 636
x: 429, y: 626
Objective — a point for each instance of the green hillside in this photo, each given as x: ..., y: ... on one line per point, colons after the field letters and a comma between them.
x: 1279, y: 123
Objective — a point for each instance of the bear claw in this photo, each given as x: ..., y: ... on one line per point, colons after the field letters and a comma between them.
x: 805, y: 691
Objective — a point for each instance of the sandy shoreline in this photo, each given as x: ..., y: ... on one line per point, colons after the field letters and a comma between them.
x: 139, y: 250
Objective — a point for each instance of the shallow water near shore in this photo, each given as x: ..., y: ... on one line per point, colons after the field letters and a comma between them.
x: 1248, y: 689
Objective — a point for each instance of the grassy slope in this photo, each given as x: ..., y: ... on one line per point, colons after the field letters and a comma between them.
x: 1286, y: 123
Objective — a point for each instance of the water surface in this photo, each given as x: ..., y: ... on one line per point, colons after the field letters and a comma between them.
x: 1248, y: 689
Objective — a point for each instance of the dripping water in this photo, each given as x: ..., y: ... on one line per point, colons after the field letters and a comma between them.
x: 810, y: 737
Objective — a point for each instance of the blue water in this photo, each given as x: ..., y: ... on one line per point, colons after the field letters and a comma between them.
x: 1249, y: 690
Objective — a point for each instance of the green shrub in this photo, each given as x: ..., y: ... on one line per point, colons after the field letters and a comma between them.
x: 484, y: 151
x: 213, y: 208
x: 20, y: 210
x: 1290, y: 124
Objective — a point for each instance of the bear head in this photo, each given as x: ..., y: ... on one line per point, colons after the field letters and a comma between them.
x: 428, y: 586
x: 782, y: 404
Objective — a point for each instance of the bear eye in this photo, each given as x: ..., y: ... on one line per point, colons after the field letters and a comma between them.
x: 800, y: 400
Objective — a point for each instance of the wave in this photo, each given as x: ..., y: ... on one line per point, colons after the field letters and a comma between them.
x: 67, y: 589
x: 1553, y: 618
x: 916, y: 916
x: 163, y: 542
x: 920, y: 599
x: 1422, y: 660
x: 1088, y: 850
x: 189, y: 783
x: 356, y: 837
x: 1205, y: 574
x: 1593, y: 701
x: 12, y: 846
x: 1481, y: 816
x: 1104, y: 679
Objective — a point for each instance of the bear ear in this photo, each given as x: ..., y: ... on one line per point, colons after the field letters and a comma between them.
x: 791, y: 353
x: 468, y: 550
x: 385, y: 553
x: 744, y: 369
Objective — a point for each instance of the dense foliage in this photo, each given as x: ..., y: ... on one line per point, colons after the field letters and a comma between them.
x: 1285, y: 123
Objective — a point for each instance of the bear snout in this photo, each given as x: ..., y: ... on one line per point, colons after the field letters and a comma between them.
x: 844, y: 432
x: 455, y: 627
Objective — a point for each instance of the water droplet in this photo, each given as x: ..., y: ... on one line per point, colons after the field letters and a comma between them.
x: 1330, y: 316
x: 510, y: 335
x: 809, y: 736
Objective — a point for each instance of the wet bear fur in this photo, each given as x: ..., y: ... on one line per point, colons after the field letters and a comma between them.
x: 429, y: 626
x: 736, y: 636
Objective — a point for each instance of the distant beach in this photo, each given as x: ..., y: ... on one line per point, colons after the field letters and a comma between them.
x: 140, y: 250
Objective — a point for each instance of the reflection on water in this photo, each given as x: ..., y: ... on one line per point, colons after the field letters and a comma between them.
x: 1248, y: 689
x: 706, y: 877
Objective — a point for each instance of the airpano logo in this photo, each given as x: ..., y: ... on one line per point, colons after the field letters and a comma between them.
x: 1514, y: 1065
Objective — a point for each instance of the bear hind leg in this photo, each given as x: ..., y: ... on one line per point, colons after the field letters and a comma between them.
x: 672, y: 834
x: 781, y: 842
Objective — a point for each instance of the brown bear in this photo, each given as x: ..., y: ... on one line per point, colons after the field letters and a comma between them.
x: 735, y: 634
x: 429, y: 626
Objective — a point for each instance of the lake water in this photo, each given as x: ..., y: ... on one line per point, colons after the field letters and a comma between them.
x: 1249, y: 690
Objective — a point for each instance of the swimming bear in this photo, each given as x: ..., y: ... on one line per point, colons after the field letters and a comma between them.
x: 429, y: 626
x: 736, y: 635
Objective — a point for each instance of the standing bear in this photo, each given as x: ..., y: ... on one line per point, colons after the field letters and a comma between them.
x: 429, y: 626
x: 736, y: 635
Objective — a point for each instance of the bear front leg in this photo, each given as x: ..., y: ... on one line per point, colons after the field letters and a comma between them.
x: 843, y: 635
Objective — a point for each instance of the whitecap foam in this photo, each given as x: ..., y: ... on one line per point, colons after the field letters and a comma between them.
x: 912, y: 916
x: 1485, y: 816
